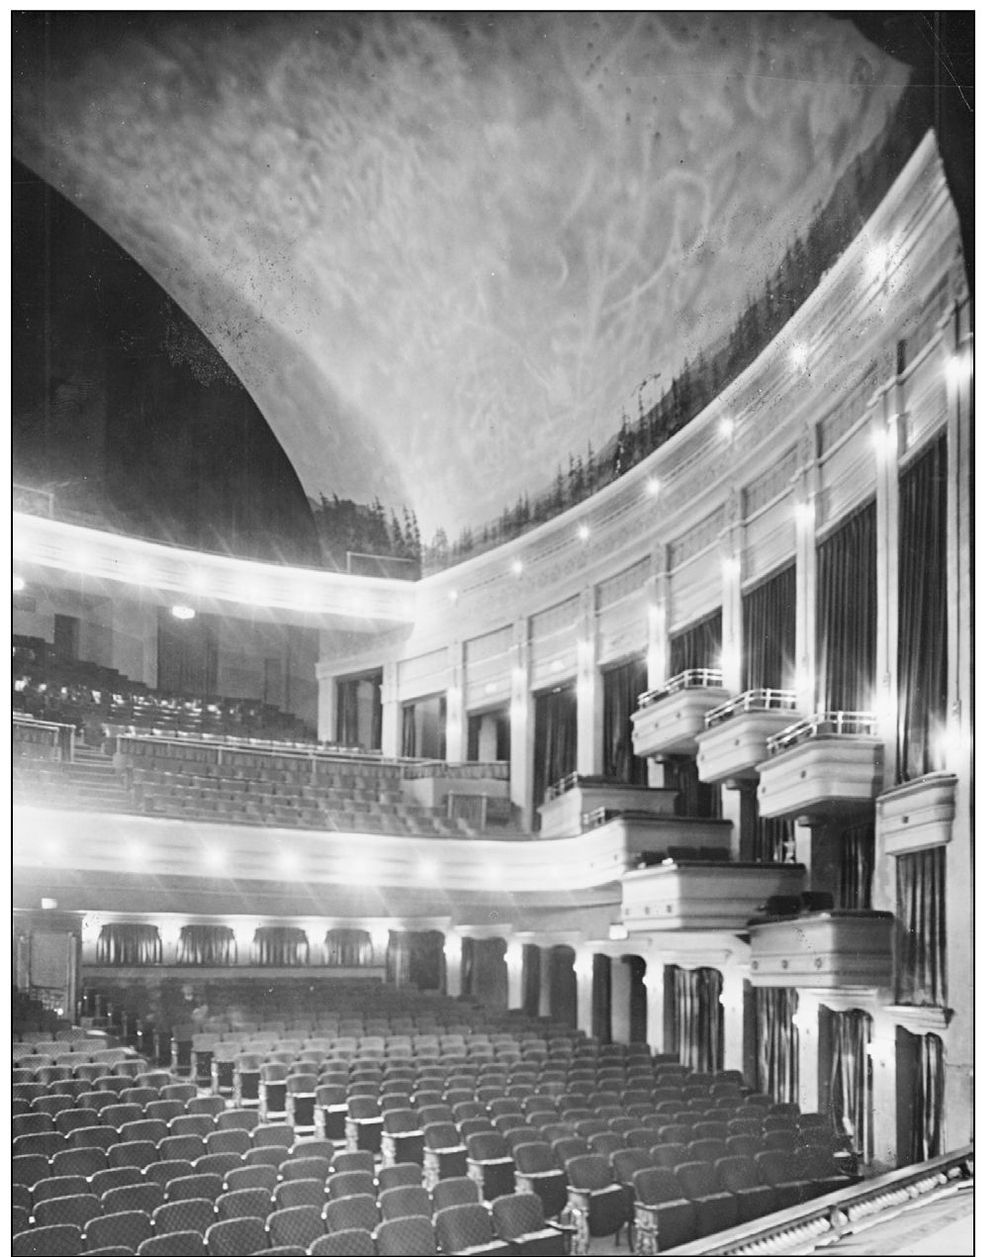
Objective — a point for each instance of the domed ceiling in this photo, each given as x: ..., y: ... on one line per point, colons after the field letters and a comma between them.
x: 442, y: 253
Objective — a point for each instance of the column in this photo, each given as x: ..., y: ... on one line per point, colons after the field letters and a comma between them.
x: 805, y: 576
x: 654, y: 1002
x: 731, y: 652
x: 888, y: 423
x: 883, y: 1097
x: 521, y: 725
x: 514, y: 974
x: 959, y: 1042
x: 807, y: 1021
x: 545, y: 990
x: 589, y: 691
x: 326, y: 710
x: 732, y: 1006
x: 391, y: 711
x: 620, y: 983
x: 452, y: 963
x: 455, y: 735
x: 584, y: 991
x: 657, y: 656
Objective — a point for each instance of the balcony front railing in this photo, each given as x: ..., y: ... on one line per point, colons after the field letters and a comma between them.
x: 824, y: 724
x: 692, y: 679
x: 471, y: 770
x: 750, y: 700
x: 562, y: 786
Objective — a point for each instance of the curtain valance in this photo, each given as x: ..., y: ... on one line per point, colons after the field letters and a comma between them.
x: 129, y: 943
x: 206, y: 945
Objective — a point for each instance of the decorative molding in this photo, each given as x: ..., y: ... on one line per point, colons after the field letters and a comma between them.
x: 920, y: 1020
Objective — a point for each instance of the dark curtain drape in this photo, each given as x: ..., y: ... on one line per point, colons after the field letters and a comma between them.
x: 695, y: 798
x: 427, y: 970
x: 129, y: 943
x: 927, y: 1124
x: 847, y: 615
x: 638, y: 1000
x: 698, y: 646
x: 530, y: 979
x: 921, y: 927
x: 409, y: 730
x: 601, y: 1000
x: 206, y: 945
x: 564, y: 1005
x: 467, y: 965
x: 693, y: 1025
x: 285, y: 946
x: 622, y: 686
x: 397, y: 958
x: 347, y: 731
x: 441, y: 752
x: 773, y: 840
x: 850, y: 1078
x: 777, y: 1042
x: 768, y: 633
x: 554, y: 740
x: 922, y: 613
x: 349, y: 949
x: 856, y: 866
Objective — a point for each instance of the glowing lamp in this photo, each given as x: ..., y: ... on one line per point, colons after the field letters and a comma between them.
x: 18, y: 584
x: 181, y: 611
x: 49, y: 904
x: 517, y: 567
x: 583, y: 532
x: 727, y: 428
x: 652, y: 487
x: 617, y: 932
x: 799, y: 355
x: 453, y: 595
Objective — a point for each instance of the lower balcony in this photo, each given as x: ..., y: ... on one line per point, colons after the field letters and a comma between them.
x: 823, y: 950
x: 703, y: 895
x: 573, y: 797
x: 734, y: 740
x: 669, y: 718
x: 917, y: 814
x: 828, y: 767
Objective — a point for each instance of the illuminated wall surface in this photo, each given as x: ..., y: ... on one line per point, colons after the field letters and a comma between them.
x: 442, y: 253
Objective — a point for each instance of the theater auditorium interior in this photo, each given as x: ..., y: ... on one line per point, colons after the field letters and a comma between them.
x: 492, y: 676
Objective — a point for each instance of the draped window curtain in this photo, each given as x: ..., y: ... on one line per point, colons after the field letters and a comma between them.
x: 564, y: 1007
x: 281, y: 945
x: 850, y: 1079
x: 773, y: 840
x: 638, y: 1000
x: 206, y: 945
x: 467, y: 965
x: 622, y: 686
x: 554, y: 740
x: 347, y: 729
x: 601, y: 1000
x: 777, y: 1042
x: 698, y: 646
x: 397, y: 958
x: 847, y: 615
x: 530, y: 979
x: 921, y: 927
x: 927, y: 1123
x: 695, y: 798
x: 856, y: 866
x: 922, y: 613
x: 427, y: 966
x: 693, y: 1017
x: 441, y: 751
x: 129, y: 943
x: 348, y: 949
x: 768, y: 633
x: 409, y: 730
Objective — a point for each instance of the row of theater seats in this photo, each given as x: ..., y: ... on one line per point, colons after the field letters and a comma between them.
x: 254, y: 799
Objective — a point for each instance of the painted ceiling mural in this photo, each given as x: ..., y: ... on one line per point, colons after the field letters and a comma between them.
x: 443, y: 252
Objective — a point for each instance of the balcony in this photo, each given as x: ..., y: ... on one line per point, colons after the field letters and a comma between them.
x: 670, y: 717
x: 917, y: 814
x: 827, y: 767
x: 573, y: 797
x: 734, y: 741
x: 703, y: 895
x: 645, y: 836
x: 823, y: 950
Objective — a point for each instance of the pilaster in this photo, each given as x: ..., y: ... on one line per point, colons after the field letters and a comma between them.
x: 521, y: 725
x: 589, y: 691
x: 391, y: 710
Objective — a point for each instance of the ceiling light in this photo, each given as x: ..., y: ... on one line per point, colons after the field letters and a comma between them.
x: 214, y: 857
x: 799, y: 355
x: 583, y: 532
x: 18, y: 584
x: 453, y: 595
x: 490, y: 687
x: 617, y: 932
x: 516, y: 567
x: 49, y: 905
x: 957, y: 369
x: 288, y: 862
x: 726, y: 427
x: 652, y: 486
x: 181, y: 611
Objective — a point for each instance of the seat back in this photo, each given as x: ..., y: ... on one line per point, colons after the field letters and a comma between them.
x: 411, y: 1236
x: 590, y: 1172
x: 350, y: 1243
x: 405, y: 1202
x: 461, y: 1227
x: 236, y: 1237
x: 350, y: 1183
x: 297, y: 1225
x: 349, y: 1212
x: 454, y: 1191
x: 244, y: 1202
x: 517, y: 1215
x: 656, y: 1186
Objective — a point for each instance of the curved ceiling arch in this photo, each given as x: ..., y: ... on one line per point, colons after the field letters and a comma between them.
x: 443, y: 253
